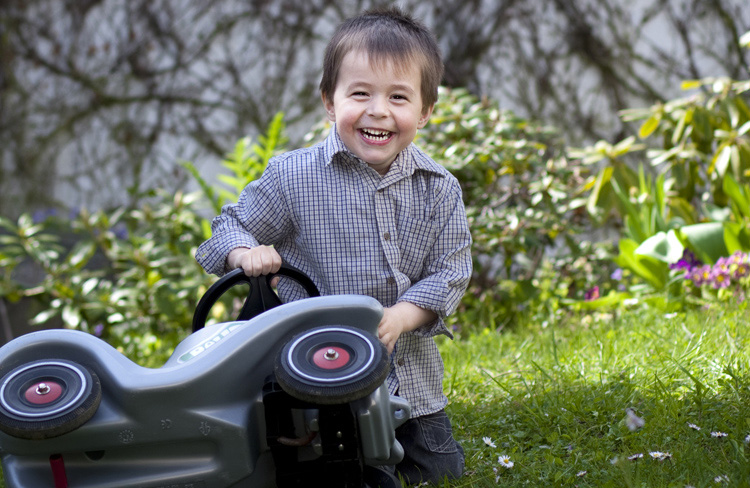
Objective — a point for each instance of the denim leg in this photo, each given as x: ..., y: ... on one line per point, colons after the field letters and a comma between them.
x: 430, y: 451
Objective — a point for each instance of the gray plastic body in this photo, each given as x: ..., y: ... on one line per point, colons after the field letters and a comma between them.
x: 196, y: 422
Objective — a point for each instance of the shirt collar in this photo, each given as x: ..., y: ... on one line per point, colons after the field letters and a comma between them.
x: 407, y: 162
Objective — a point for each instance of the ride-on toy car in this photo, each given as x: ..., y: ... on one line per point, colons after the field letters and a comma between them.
x: 284, y: 396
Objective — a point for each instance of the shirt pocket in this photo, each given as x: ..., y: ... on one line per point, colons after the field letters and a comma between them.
x: 416, y: 240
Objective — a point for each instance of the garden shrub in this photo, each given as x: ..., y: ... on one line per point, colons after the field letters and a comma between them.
x: 130, y: 278
x: 523, y: 202
x: 694, y: 195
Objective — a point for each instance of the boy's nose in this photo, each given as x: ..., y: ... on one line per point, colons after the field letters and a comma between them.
x: 378, y: 107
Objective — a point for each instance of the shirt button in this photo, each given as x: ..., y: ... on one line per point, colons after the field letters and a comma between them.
x: 391, y: 280
x: 401, y: 361
x: 387, y: 236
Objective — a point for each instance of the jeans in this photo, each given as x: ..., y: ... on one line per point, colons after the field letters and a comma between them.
x: 430, y: 452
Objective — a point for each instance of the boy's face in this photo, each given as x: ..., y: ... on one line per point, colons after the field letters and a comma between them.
x: 377, y: 110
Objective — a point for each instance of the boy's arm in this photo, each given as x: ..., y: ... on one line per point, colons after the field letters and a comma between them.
x: 258, y: 217
x: 447, y: 268
x: 400, y: 318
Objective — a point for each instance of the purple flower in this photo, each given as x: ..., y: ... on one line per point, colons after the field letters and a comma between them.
x: 591, y: 294
x: 42, y: 215
x: 120, y: 230
x: 687, y: 262
x: 98, y: 329
x: 740, y: 270
x: 737, y: 258
x: 699, y: 275
x: 616, y: 274
x: 720, y: 277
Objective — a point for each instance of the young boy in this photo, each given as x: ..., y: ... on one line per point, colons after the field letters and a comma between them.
x: 366, y: 212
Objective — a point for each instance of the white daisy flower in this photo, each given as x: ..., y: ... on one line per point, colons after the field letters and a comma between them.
x: 635, y: 457
x: 722, y: 479
x: 505, y: 461
x: 660, y: 456
x: 488, y: 441
x: 581, y: 474
x: 693, y: 426
x: 747, y: 439
x: 633, y: 421
x: 719, y: 434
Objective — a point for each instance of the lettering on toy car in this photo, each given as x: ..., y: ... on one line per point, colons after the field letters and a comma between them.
x: 221, y: 334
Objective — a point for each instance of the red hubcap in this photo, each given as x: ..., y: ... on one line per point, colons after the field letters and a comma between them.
x: 331, y: 357
x: 43, y: 392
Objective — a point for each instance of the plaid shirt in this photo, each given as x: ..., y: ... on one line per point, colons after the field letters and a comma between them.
x: 399, y: 237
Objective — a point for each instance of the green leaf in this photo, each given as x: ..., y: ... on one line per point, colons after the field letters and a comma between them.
x: 736, y: 237
x: 71, y: 316
x: 207, y: 190
x: 652, y: 270
x: 690, y: 84
x: 595, y: 197
x: 81, y: 253
x: 738, y: 194
x: 43, y: 316
x: 89, y: 285
x: 721, y: 160
x: 649, y: 126
x: 707, y: 240
x: 664, y: 246
x: 634, y: 220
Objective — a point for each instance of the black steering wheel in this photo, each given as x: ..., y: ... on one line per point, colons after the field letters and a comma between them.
x: 260, y: 297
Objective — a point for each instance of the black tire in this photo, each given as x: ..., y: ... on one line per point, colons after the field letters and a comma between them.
x: 332, y: 365
x: 376, y: 477
x: 47, y: 398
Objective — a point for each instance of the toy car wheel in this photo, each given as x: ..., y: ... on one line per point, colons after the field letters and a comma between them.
x: 47, y: 398
x: 377, y: 477
x: 332, y: 365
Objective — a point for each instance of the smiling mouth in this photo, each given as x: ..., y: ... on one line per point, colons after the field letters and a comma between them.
x: 375, y: 134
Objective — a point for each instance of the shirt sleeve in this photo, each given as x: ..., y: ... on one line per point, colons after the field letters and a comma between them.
x: 448, y: 265
x: 258, y: 217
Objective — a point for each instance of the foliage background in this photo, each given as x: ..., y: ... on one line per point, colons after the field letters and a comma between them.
x: 99, y: 98
x: 585, y: 256
x: 556, y: 229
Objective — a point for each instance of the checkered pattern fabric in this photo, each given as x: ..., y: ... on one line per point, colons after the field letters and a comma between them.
x: 398, y: 237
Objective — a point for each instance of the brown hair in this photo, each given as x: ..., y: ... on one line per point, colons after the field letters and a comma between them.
x: 386, y: 35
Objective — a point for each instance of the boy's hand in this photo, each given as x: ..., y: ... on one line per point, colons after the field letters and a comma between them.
x: 390, y: 328
x: 400, y: 318
x: 261, y: 260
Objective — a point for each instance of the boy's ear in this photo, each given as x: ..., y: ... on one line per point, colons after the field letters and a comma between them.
x: 425, y: 116
x: 328, y: 104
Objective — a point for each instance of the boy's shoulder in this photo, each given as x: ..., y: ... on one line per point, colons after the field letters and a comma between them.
x: 434, y: 170
x: 424, y: 162
x: 309, y: 154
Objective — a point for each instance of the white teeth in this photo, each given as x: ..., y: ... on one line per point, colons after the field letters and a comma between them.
x: 376, y: 134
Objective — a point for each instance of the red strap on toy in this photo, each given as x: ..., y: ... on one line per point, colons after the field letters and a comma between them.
x: 58, y: 471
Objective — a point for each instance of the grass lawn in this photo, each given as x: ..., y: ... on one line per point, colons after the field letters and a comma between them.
x: 553, y: 398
